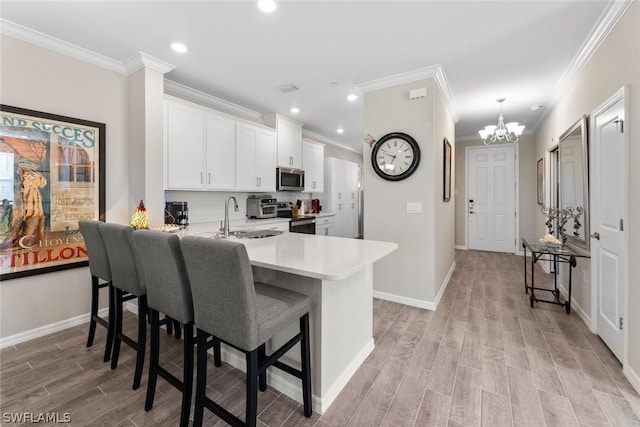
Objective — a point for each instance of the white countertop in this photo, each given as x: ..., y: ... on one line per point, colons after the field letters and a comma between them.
x: 320, y: 257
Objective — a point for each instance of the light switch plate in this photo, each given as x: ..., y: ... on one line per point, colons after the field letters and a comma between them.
x: 414, y: 207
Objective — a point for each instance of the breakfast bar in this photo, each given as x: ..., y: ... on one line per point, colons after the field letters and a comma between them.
x: 337, y: 274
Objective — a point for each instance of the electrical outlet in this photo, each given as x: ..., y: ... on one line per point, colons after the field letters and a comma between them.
x: 414, y: 207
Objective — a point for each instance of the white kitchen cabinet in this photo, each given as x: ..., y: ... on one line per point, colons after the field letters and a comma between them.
x: 325, y: 226
x: 184, y: 133
x: 199, y: 145
x: 313, y: 165
x: 220, y: 134
x: 288, y: 140
x: 255, y: 158
x: 341, y: 184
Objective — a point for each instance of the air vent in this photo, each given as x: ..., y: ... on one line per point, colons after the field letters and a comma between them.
x: 288, y: 87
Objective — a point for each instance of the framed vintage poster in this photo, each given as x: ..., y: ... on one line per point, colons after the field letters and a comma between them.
x: 540, y: 181
x: 446, y: 187
x: 51, y: 176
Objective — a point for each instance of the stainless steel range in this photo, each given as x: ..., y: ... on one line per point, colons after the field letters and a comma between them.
x: 305, y: 224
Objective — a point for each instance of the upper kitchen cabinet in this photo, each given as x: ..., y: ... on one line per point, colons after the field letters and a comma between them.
x: 255, y: 158
x: 289, y: 140
x: 199, y: 146
x: 313, y: 165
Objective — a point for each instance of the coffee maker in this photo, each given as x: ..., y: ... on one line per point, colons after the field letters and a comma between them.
x: 176, y: 213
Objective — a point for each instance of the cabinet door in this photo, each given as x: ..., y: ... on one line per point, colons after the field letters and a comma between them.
x: 289, y: 144
x: 339, y: 228
x: 313, y: 164
x: 220, y: 147
x: 246, y: 160
x: 185, y: 147
x: 266, y: 160
x: 351, y: 220
x: 351, y: 181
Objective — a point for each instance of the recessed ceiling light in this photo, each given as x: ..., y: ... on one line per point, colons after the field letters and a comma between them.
x: 536, y: 107
x: 179, y: 47
x: 340, y: 130
x: 352, y: 97
x: 267, y: 6
x: 295, y: 110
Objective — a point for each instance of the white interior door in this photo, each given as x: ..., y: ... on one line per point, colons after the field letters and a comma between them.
x: 491, y: 198
x: 609, y: 248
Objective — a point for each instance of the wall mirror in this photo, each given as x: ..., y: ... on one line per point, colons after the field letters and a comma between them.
x: 573, y: 183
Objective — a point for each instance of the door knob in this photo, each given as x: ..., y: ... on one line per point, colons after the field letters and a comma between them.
x: 596, y: 235
x: 471, y: 212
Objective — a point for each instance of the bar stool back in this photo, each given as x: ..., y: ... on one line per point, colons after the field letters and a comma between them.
x: 232, y: 308
x: 118, y: 241
x: 100, y: 270
x: 161, y: 263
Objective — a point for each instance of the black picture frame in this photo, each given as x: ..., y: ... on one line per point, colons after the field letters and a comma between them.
x: 540, y: 181
x: 52, y: 174
x: 446, y: 161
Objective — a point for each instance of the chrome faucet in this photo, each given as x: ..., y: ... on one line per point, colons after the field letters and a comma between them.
x: 226, y: 214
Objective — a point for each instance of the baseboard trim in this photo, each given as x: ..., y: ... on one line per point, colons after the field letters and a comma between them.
x: 576, y: 307
x: 49, y: 329
x: 461, y: 247
x: 292, y: 387
x: 413, y: 302
x: 632, y: 376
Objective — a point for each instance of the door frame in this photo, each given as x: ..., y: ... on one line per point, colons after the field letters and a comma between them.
x: 516, y: 174
x: 620, y: 94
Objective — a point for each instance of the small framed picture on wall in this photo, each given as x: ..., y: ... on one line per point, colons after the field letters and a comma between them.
x: 540, y: 181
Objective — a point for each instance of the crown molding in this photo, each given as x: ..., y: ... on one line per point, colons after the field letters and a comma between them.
x: 48, y: 42
x: 435, y: 72
x: 321, y: 138
x: 182, y: 91
x: 142, y: 60
x: 608, y: 20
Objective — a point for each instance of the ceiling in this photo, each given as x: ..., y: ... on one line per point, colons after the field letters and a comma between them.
x: 518, y: 50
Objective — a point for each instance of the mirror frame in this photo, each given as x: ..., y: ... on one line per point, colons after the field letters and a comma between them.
x: 583, y: 126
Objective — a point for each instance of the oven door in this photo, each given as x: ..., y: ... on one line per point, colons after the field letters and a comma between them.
x: 305, y: 226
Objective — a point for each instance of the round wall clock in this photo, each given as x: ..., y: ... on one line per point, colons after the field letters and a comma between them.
x: 395, y: 156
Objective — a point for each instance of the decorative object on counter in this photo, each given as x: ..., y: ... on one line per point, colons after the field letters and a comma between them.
x: 559, y: 218
x: 395, y: 156
x: 550, y: 239
x: 52, y: 175
x: 501, y: 133
x: 139, y: 219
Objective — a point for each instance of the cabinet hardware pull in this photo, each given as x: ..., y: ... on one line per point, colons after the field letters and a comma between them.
x: 201, y: 178
x: 209, y: 177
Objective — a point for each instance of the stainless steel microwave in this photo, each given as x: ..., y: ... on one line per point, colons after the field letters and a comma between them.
x: 288, y: 179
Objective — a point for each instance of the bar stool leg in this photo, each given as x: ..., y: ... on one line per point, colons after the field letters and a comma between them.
x: 142, y: 340
x: 305, y: 360
x: 112, y: 324
x: 95, y: 292
x: 262, y: 380
x: 187, y: 377
x: 252, y: 389
x: 154, y: 359
x: 117, y: 332
x: 201, y: 378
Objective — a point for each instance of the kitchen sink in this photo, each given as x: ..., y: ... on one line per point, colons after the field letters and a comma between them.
x: 257, y: 234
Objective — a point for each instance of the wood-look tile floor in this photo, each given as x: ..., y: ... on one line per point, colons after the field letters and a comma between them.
x: 484, y: 357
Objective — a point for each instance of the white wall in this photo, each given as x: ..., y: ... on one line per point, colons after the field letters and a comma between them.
x: 527, y: 191
x: 40, y: 79
x: 616, y: 63
x: 410, y: 273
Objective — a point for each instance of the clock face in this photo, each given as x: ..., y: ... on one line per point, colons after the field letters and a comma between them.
x: 395, y: 156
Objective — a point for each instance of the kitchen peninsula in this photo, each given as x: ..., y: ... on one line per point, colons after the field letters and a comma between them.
x: 337, y: 274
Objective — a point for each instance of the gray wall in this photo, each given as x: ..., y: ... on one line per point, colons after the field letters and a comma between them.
x: 413, y: 273
x: 614, y: 64
x: 40, y: 79
x: 527, y: 190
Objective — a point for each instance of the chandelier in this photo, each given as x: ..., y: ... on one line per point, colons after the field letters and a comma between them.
x: 501, y: 133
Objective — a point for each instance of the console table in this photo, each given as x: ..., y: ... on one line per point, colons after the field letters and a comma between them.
x: 557, y: 254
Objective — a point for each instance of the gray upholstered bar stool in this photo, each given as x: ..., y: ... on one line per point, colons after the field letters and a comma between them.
x: 159, y: 259
x: 229, y: 306
x: 118, y: 241
x: 100, y: 271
